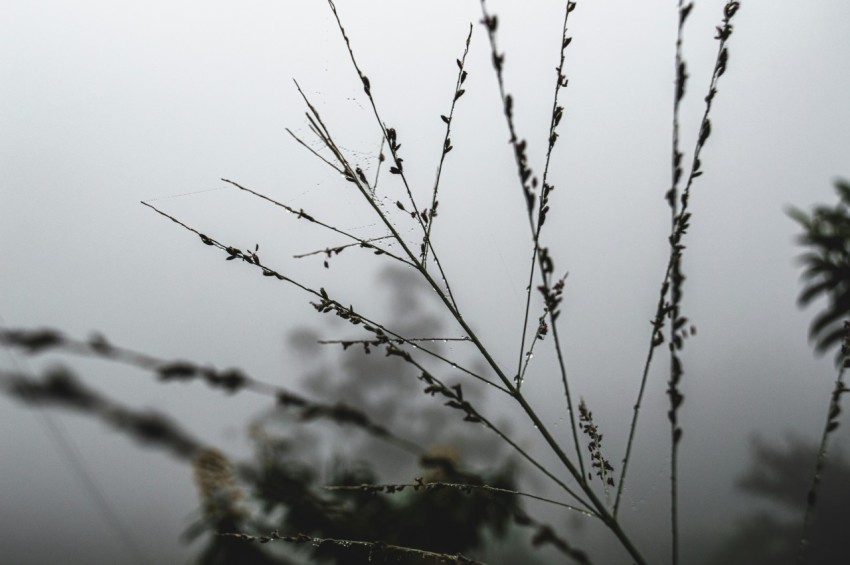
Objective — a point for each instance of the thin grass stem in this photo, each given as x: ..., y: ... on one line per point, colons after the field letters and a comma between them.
x: 381, y: 160
x: 477, y: 416
x: 301, y: 214
x: 408, y: 340
x: 229, y: 380
x: 831, y: 424
x: 600, y: 507
x: 412, y: 341
x: 675, y: 363
x: 329, y: 251
x: 680, y: 226
x: 446, y: 147
x: 596, y: 503
x: 543, y: 207
x: 314, y: 152
x: 372, y: 546
x: 252, y: 259
x: 365, y: 191
x: 528, y: 183
x: 432, y: 485
x: 544, y: 533
x: 390, y: 135
x: 655, y: 340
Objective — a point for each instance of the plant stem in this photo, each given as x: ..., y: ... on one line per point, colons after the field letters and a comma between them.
x: 829, y: 426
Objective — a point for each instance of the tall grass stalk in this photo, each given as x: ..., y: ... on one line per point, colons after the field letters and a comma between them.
x: 537, y: 207
x: 829, y: 427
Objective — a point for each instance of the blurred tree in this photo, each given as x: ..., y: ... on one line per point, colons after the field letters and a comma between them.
x: 285, y: 479
x: 301, y: 447
x: 784, y: 476
x: 826, y: 234
x: 780, y: 476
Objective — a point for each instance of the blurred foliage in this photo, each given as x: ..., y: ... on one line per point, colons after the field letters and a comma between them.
x: 294, y: 459
x: 779, y: 477
x: 826, y: 235
x: 287, y: 495
x: 300, y: 447
x: 290, y: 499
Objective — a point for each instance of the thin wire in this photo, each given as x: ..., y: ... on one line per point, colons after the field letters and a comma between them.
x: 73, y: 458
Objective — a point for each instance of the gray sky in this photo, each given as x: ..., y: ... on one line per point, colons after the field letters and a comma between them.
x: 104, y: 104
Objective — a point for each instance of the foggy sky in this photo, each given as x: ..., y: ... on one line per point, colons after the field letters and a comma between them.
x: 105, y: 104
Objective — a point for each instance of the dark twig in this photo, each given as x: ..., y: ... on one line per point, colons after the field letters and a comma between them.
x: 348, y: 342
x: 526, y: 177
x: 678, y: 322
x: 355, y: 176
x: 542, y: 330
x: 228, y: 380
x: 326, y: 304
x: 680, y: 226
x: 372, y: 546
x: 381, y: 160
x: 314, y: 152
x: 61, y: 387
x: 529, y: 183
x: 383, y: 340
x: 830, y: 426
x: 301, y: 214
x: 420, y: 484
x: 431, y: 213
x: 544, y: 534
x: 329, y: 252
x: 457, y: 401
x: 391, y: 137
x: 337, y: 250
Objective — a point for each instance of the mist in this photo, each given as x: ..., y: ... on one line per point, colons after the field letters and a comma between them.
x: 105, y: 106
